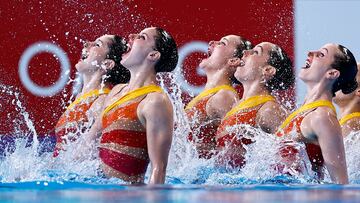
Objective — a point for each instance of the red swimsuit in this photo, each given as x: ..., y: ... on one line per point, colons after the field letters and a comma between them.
x: 203, y: 129
x: 230, y: 143
x: 73, y: 121
x: 123, y: 145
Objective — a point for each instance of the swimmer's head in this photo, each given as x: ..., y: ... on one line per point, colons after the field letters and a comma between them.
x: 118, y: 73
x: 332, y: 64
x: 166, y: 45
x: 225, y: 54
x: 152, y: 46
x: 266, y: 64
x: 344, y: 99
x: 104, y: 54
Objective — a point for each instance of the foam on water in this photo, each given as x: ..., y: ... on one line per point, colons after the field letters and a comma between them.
x: 352, y: 146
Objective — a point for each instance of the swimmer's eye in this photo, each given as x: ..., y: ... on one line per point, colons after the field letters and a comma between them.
x: 223, y: 43
x: 98, y: 44
x: 321, y: 54
x: 141, y: 37
x: 256, y: 52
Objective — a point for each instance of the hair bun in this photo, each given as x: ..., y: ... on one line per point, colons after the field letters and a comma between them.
x: 349, y: 87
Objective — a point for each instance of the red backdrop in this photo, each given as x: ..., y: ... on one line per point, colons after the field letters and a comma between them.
x: 65, y: 22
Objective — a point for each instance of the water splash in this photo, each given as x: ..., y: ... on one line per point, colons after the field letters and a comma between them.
x: 352, y: 146
x: 24, y: 163
x: 22, y: 160
x: 185, y: 167
x: 19, y: 160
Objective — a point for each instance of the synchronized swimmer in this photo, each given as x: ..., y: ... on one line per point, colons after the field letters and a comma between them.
x: 123, y: 109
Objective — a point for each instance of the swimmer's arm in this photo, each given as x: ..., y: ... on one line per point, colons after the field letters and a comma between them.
x: 221, y: 103
x: 158, y: 117
x: 328, y: 132
x: 270, y: 117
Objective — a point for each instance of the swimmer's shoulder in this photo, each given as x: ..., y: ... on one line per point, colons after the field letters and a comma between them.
x: 273, y: 108
x: 270, y: 116
x: 354, y: 124
x: 322, y: 119
x: 155, y: 104
x: 321, y: 114
x: 227, y: 94
x: 156, y: 98
x: 224, y: 98
x: 116, y: 89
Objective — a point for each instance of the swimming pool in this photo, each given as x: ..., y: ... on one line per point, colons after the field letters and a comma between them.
x: 28, y: 173
x: 81, y: 192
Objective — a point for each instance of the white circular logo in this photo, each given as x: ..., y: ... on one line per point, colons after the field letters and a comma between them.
x: 185, y: 50
x: 24, y: 69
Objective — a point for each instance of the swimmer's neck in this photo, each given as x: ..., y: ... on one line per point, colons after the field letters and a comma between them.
x: 217, y: 78
x: 92, y: 81
x: 349, y: 107
x: 318, y: 91
x: 254, y: 88
x: 141, y: 76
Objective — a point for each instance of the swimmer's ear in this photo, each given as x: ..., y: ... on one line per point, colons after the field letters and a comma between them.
x: 332, y: 74
x: 108, y: 64
x: 234, y: 62
x: 269, y: 71
x: 154, y: 56
x: 357, y: 92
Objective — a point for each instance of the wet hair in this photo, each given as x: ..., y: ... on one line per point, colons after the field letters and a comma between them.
x: 239, y: 52
x: 345, y: 63
x: 118, y: 74
x: 284, y: 76
x: 166, y: 45
x: 240, y: 48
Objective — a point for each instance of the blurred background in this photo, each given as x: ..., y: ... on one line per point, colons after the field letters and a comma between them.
x: 45, y: 81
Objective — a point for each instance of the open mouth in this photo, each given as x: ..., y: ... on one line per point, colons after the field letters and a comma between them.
x: 128, y: 49
x: 84, y: 54
x: 242, y: 63
x: 307, y: 64
x: 209, y: 52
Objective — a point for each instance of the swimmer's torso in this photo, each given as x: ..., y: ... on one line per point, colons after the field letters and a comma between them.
x: 75, y: 119
x: 123, y: 143
x: 203, y: 128
x: 229, y: 134
x: 292, y: 126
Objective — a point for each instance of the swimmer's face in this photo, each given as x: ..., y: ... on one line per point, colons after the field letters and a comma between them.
x: 318, y: 63
x: 142, y: 46
x: 221, y: 52
x: 252, y: 63
x: 344, y: 99
x: 94, y: 53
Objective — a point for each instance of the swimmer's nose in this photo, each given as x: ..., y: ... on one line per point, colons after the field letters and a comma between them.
x: 247, y: 52
x: 132, y: 37
x: 86, y: 44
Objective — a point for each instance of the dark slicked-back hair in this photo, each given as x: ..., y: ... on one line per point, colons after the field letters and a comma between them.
x: 284, y: 76
x: 346, y: 64
x: 166, y: 45
x: 239, y: 52
x: 240, y: 48
x: 118, y: 74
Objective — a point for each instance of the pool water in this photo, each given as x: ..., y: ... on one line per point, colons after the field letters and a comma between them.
x: 81, y: 192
